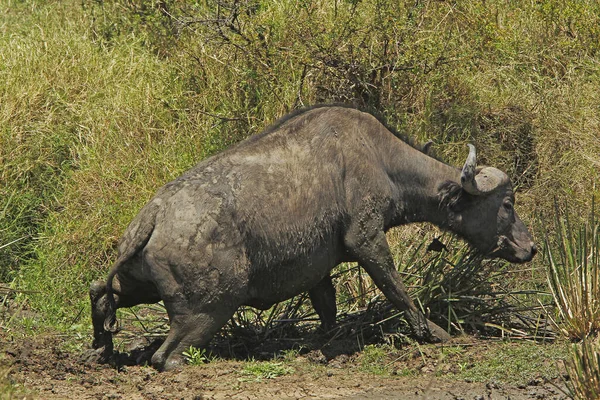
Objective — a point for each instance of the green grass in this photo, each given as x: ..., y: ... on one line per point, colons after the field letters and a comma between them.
x: 509, y: 362
x: 514, y: 363
x: 583, y: 367
x: 259, y: 370
x: 10, y: 389
x: 573, y: 257
x: 100, y: 121
x: 374, y: 360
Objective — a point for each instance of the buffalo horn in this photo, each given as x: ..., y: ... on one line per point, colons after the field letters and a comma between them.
x: 467, y: 177
x: 479, y: 182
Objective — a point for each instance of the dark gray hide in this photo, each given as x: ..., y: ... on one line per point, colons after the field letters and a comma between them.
x: 269, y: 218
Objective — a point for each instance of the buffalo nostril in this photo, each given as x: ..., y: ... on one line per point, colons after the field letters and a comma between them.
x: 533, y: 250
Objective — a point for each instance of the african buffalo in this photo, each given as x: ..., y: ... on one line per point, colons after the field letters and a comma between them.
x: 269, y: 218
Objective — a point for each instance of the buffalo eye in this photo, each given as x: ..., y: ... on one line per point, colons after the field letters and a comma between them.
x: 508, y: 205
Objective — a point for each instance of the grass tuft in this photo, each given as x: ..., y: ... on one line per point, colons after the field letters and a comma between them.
x: 573, y: 257
x: 195, y: 356
x: 259, y: 370
x: 374, y: 359
x: 8, y: 389
x: 583, y: 367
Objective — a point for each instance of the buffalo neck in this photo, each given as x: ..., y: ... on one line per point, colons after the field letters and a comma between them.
x: 416, y: 179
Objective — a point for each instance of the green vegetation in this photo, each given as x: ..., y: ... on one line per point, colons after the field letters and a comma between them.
x: 195, y: 356
x: 102, y: 102
x: 9, y: 390
x: 517, y: 363
x: 374, y: 359
x: 75, y: 119
x: 574, y: 276
x: 583, y: 367
x: 259, y: 370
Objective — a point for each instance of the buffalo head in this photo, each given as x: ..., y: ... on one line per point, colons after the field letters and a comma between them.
x: 481, y: 209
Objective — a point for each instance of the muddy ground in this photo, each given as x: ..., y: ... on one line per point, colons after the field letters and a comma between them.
x: 51, y: 366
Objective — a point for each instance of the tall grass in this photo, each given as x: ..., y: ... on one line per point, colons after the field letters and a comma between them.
x: 574, y: 275
x: 90, y: 133
x: 573, y: 257
x: 583, y: 367
x: 103, y: 102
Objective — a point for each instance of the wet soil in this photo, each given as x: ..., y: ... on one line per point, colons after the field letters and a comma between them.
x: 51, y: 367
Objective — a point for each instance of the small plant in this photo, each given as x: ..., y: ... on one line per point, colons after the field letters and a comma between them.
x: 574, y: 276
x: 195, y: 356
x: 258, y: 371
x: 583, y: 367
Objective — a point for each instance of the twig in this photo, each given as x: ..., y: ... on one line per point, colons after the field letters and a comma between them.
x: 13, y: 242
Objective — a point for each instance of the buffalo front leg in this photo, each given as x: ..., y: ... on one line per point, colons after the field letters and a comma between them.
x: 374, y: 255
x: 322, y: 297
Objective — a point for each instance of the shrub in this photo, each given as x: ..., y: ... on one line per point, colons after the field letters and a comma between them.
x: 195, y: 356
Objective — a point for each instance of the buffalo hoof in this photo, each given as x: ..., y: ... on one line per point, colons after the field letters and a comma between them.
x: 97, y: 356
x: 162, y: 363
x: 173, y: 364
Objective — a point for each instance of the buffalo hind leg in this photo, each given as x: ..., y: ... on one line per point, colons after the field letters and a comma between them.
x: 126, y: 294
x: 102, y: 344
x: 322, y: 297
x: 188, y: 328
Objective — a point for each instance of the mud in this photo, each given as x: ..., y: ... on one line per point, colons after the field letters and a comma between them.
x: 51, y: 367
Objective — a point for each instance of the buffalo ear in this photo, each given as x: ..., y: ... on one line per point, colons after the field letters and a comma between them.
x: 451, y: 196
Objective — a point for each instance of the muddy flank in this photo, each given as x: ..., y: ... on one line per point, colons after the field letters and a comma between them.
x: 47, y: 367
